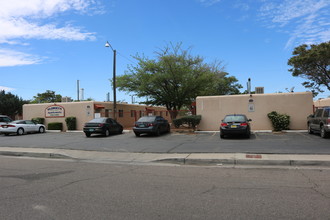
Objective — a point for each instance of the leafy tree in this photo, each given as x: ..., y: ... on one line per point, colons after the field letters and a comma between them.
x: 10, y: 104
x: 313, y: 63
x: 47, y: 97
x: 175, y: 78
x: 227, y: 85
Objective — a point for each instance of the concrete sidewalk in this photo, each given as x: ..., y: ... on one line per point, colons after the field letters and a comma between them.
x: 174, y: 158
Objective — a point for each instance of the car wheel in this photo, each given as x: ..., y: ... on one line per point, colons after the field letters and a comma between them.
x: 137, y: 134
x: 87, y: 134
x: 120, y: 131
x: 107, y: 133
x: 20, y: 131
x: 310, y: 130
x: 248, y: 134
x: 41, y: 130
x: 157, y: 133
x: 168, y: 129
x: 324, y: 134
x: 222, y: 136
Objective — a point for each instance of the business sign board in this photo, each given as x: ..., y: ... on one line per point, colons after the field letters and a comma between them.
x: 55, y: 111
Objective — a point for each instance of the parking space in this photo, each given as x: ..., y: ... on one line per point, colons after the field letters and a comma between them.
x: 280, y: 143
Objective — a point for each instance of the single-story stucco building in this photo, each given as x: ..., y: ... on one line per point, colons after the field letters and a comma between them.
x: 85, y: 111
x: 322, y: 102
x: 213, y: 109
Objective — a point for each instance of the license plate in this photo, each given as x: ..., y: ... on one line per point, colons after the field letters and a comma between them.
x: 141, y: 126
x: 233, y: 126
x: 91, y: 129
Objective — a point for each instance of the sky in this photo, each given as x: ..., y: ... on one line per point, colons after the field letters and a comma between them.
x: 51, y: 44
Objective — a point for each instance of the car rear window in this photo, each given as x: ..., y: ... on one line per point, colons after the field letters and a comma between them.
x: 234, y: 118
x: 147, y: 119
x: 98, y: 120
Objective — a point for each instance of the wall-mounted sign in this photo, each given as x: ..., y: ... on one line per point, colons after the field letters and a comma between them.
x: 54, y: 111
x: 251, y: 107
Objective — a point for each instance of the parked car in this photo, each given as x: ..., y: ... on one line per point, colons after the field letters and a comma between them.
x: 4, y: 119
x: 151, y: 125
x: 20, y: 127
x: 105, y: 126
x: 235, y: 124
x: 320, y: 122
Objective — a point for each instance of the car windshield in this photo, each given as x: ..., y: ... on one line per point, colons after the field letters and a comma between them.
x: 97, y: 120
x: 146, y: 119
x: 234, y: 118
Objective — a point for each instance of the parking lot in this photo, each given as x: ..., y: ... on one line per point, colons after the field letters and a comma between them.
x: 267, y: 143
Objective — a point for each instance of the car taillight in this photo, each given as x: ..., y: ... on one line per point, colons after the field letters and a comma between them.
x: 328, y: 120
x: 150, y: 124
x: 101, y: 125
x: 7, y: 126
x: 224, y: 124
x: 244, y: 124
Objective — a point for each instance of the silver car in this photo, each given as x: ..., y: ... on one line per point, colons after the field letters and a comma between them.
x: 20, y: 127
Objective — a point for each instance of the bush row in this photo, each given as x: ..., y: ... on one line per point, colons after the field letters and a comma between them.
x: 71, y: 123
x: 192, y: 121
x: 280, y: 121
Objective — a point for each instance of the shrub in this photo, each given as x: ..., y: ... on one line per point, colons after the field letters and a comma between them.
x: 38, y: 120
x: 71, y: 123
x: 280, y: 121
x: 55, y: 126
x: 192, y: 121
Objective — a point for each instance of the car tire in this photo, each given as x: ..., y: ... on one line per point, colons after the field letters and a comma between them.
x: 20, y: 131
x: 157, y: 133
x: 324, y: 134
x: 87, y: 134
x: 310, y: 130
x: 222, y: 136
x: 41, y: 130
x: 248, y: 135
x: 107, y: 133
x: 168, y: 129
x: 137, y: 134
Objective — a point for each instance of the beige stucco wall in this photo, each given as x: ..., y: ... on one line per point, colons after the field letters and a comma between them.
x: 213, y: 109
x: 85, y: 111
x: 322, y: 102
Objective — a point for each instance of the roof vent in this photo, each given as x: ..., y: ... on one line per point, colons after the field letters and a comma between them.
x: 259, y: 90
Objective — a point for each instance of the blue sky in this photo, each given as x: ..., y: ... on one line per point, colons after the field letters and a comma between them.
x: 50, y: 44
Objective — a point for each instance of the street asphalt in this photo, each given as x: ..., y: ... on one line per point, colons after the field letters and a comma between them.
x: 205, y: 148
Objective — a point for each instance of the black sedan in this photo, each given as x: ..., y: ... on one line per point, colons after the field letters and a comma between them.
x: 235, y: 124
x: 105, y: 126
x: 151, y: 125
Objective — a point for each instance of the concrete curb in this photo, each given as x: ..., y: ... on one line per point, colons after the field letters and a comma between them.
x: 210, y: 159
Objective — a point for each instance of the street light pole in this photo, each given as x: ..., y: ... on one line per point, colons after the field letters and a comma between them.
x: 107, y: 44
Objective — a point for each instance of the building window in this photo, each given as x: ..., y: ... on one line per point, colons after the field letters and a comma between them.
x: 133, y: 113
x: 121, y: 113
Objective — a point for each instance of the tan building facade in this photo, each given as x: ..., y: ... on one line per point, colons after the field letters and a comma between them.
x: 85, y: 111
x: 256, y: 106
x: 322, y: 102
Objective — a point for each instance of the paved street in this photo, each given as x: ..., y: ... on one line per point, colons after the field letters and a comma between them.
x: 58, y: 189
x: 267, y: 143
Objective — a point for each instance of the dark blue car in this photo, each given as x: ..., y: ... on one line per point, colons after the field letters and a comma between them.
x: 151, y: 125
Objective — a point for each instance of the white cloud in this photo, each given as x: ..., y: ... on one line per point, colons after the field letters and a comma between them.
x: 14, y: 58
x: 306, y: 21
x: 24, y: 20
x: 7, y: 89
x: 209, y: 2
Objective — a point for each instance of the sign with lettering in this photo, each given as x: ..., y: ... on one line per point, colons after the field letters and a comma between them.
x: 55, y: 111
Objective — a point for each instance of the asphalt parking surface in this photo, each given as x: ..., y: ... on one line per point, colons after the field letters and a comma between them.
x: 266, y: 143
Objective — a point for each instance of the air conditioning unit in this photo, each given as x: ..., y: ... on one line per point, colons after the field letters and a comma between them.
x: 259, y: 90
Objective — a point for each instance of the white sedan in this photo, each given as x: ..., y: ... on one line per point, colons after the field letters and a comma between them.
x: 20, y: 127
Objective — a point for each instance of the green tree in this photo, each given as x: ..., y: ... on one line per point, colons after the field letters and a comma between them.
x: 174, y: 79
x: 227, y: 85
x: 313, y: 63
x: 10, y: 104
x: 47, y: 97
